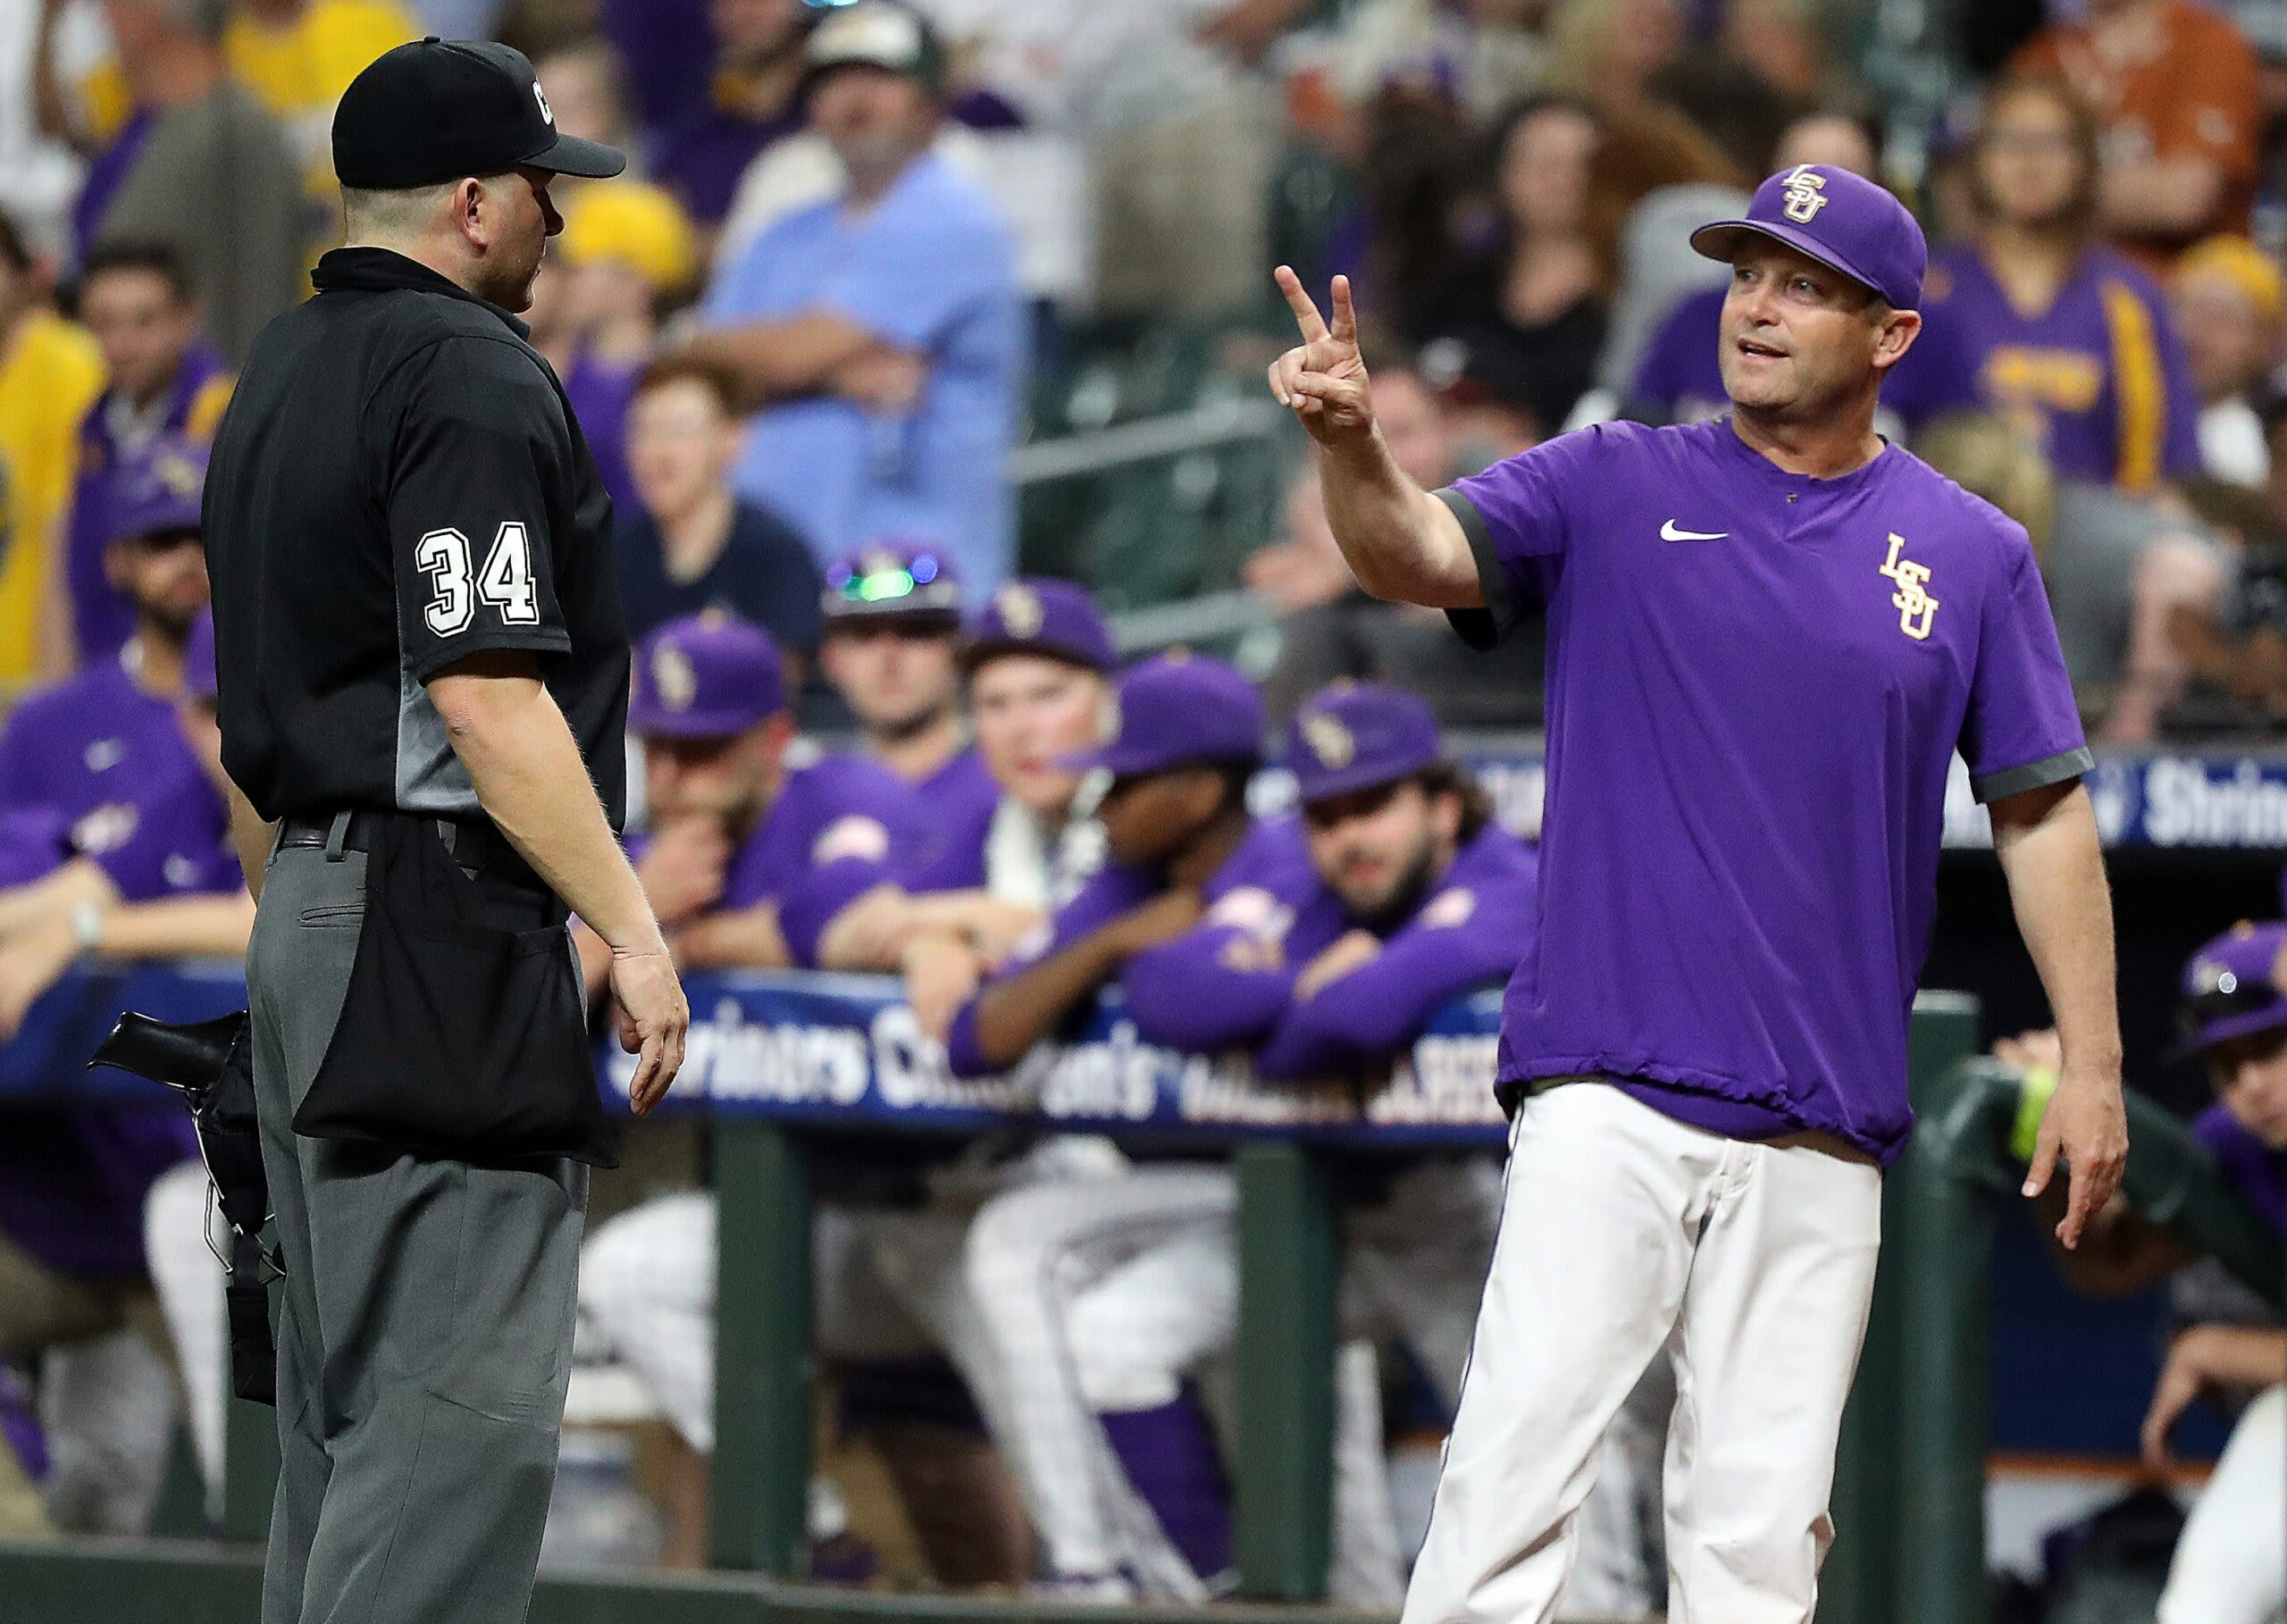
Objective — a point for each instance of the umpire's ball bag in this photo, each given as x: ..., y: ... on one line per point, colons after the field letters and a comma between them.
x: 465, y: 1032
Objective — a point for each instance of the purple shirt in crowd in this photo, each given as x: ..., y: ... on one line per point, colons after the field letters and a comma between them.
x: 1269, y: 869
x: 1679, y: 378
x: 1756, y: 684
x: 112, y: 759
x: 600, y: 391
x: 1231, y: 981
x: 2259, y: 1171
x: 98, y: 766
x: 959, y: 800
x: 101, y: 619
x: 2101, y: 372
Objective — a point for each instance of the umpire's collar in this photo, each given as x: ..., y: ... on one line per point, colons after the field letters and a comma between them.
x: 383, y: 270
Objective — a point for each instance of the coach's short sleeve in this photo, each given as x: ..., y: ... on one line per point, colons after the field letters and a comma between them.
x: 1515, y: 515
x: 2022, y: 729
x: 480, y: 441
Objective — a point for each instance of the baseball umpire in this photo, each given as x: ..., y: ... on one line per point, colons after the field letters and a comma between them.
x: 1768, y: 636
x: 423, y: 683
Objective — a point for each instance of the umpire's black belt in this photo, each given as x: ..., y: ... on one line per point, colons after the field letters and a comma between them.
x: 475, y: 845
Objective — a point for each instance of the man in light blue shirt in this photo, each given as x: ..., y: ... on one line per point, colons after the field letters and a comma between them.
x: 880, y: 334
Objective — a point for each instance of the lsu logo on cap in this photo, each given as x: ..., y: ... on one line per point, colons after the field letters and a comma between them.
x: 1329, y: 740
x: 1020, y: 608
x: 1805, y: 195
x: 673, y: 677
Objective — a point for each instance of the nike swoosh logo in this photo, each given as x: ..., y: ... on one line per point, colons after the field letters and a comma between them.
x: 1668, y: 532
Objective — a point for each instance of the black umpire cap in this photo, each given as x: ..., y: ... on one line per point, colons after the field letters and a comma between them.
x: 438, y: 109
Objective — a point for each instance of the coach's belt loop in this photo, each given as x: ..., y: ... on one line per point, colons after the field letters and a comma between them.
x: 337, y: 836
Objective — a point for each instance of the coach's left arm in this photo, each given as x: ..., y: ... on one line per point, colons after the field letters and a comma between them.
x: 2046, y: 840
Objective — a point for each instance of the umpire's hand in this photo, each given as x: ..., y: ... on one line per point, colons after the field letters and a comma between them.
x: 653, y: 1017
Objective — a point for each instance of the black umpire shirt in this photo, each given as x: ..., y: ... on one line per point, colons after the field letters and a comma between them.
x: 399, y: 484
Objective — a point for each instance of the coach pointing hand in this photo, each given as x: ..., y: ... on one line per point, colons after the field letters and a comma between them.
x: 423, y: 676
x: 1768, y: 637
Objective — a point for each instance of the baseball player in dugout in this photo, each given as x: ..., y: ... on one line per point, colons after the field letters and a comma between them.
x: 423, y: 684
x: 1768, y: 636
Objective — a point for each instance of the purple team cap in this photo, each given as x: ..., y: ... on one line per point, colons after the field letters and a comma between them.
x: 158, y: 489
x: 706, y: 677
x: 2228, y: 988
x: 1838, y: 218
x: 198, y: 681
x: 1357, y: 735
x: 1054, y: 618
x: 894, y: 578
x: 1179, y: 710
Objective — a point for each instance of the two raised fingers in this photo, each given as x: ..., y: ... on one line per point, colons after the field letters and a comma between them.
x: 1313, y: 325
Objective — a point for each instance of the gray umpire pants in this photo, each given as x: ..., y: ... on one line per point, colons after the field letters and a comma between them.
x: 425, y: 1336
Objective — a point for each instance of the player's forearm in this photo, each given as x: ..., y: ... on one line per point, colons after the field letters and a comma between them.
x: 748, y: 939
x: 2246, y: 1357
x: 78, y: 881
x: 253, y: 838
x: 529, y: 778
x: 2047, y: 842
x: 1402, y: 543
x: 2161, y: 197
x: 1014, y: 1013
x: 176, y: 928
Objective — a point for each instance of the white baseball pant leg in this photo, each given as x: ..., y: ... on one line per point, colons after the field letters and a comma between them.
x: 1139, y: 1331
x: 647, y: 1281
x: 108, y: 1407
x: 1032, y: 1253
x: 179, y: 1219
x: 2231, y: 1560
x: 1415, y: 1270
x: 1621, y: 1229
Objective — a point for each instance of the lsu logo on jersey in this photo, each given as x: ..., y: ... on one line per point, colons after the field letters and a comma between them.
x: 1805, y: 193
x: 1916, y: 609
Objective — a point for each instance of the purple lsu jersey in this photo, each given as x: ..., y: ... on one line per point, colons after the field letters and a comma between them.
x: 1758, y: 683
x: 1268, y: 869
x: 2101, y: 374
x: 1231, y: 981
x: 111, y: 760
x: 839, y: 827
x: 959, y: 800
x: 2259, y: 1171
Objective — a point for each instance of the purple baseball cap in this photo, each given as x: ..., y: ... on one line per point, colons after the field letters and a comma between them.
x: 1356, y: 735
x: 1054, y: 618
x: 198, y: 681
x: 894, y: 578
x: 157, y: 489
x: 1841, y: 220
x: 2228, y: 990
x: 1181, y: 709
x: 706, y: 677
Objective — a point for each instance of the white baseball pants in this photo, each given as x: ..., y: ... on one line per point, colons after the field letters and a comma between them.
x: 1622, y: 1232
x: 2231, y: 1560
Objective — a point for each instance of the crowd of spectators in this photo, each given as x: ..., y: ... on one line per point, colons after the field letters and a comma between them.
x: 864, y: 278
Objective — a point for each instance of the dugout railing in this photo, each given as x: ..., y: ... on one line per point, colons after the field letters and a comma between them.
x: 1910, y: 1491
x: 1289, y: 1246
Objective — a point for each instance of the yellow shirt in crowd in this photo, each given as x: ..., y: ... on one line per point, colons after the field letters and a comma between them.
x: 49, y: 377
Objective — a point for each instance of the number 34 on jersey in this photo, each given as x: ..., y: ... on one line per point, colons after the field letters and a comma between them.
x: 505, y: 581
